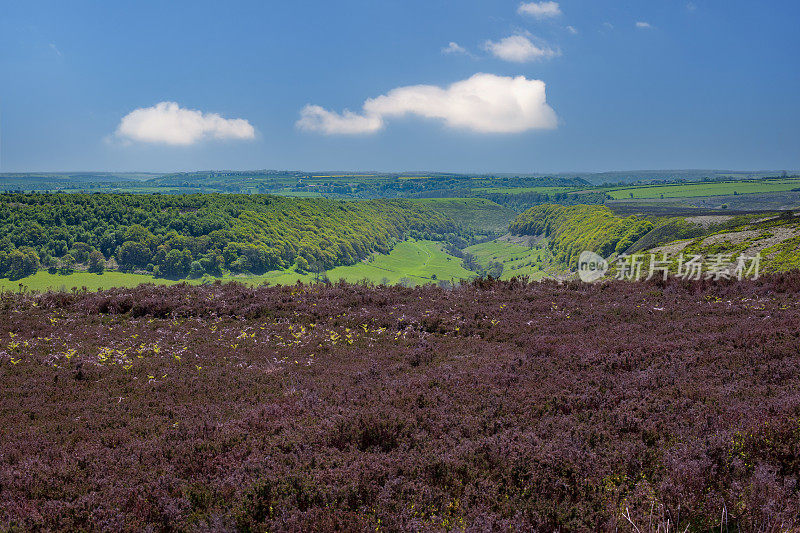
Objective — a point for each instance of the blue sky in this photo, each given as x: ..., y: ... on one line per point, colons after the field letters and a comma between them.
x: 629, y: 85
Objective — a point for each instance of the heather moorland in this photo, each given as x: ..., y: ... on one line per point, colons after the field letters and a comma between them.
x: 491, y: 405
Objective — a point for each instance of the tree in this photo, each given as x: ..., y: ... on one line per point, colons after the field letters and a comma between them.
x: 138, y: 233
x: 196, y: 270
x: 80, y: 251
x: 133, y: 254
x: 302, y: 265
x: 495, y: 270
x: 108, y: 242
x: 230, y: 253
x: 67, y: 264
x: 21, y: 263
x: 318, y: 268
x: 177, y: 263
x: 212, y: 264
x: 97, y: 262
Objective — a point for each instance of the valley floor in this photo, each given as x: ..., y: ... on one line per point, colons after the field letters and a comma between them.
x: 410, y: 262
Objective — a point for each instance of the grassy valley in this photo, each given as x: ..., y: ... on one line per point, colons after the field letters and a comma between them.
x: 410, y: 262
x: 105, y: 240
x: 505, y: 259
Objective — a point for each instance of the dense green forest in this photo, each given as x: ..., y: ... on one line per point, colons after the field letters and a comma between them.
x: 571, y: 230
x: 191, y: 235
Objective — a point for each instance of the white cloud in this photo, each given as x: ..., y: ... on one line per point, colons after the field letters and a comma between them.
x: 317, y: 118
x: 519, y: 49
x: 168, y: 123
x: 572, y: 30
x: 691, y: 6
x: 55, y: 49
x: 643, y: 25
x: 540, y: 10
x: 454, y: 48
x: 483, y: 103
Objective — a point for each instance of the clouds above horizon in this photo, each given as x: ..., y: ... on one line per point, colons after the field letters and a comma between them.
x: 483, y: 103
x: 168, y: 123
x: 540, y: 10
x: 519, y: 49
x: 454, y: 48
x: 643, y: 25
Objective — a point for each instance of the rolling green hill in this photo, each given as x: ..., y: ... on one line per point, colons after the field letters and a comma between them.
x: 571, y: 230
x: 478, y: 214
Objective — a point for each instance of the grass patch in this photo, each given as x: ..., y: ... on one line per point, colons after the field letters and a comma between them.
x: 43, y: 280
x: 705, y: 189
x: 783, y: 256
x: 517, y: 260
x: 411, y: 261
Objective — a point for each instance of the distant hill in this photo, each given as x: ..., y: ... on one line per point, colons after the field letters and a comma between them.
x: 478, y: 214
x: 57, y: 181
x: 633, y: 176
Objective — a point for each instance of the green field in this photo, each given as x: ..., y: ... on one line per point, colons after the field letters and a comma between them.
x: 419, y: 262
x: 705, y: 189
x: 517, y: 260
x: 43, y: 280
x: 410, y: 262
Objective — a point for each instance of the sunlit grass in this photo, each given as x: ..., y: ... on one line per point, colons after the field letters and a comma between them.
x: 411, y: 262
x: 705, y: 189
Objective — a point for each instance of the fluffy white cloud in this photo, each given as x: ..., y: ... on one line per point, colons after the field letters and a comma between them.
x: 572, y: 30
x: 540, y: 10
x: 169, y: 123
x: 317, y: 118
x: 519, y: 49
x: 643, y: 25
x: 483, y: 103
x: 454, y: 48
